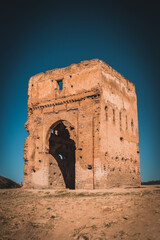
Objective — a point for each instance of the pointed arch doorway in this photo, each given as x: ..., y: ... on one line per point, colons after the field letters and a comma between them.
x: 62, y: 149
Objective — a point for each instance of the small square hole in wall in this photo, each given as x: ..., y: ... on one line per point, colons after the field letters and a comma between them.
x: 60, y: 84
x: 89, y: 167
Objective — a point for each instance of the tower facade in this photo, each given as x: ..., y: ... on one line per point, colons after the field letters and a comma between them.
x: 83, y: 129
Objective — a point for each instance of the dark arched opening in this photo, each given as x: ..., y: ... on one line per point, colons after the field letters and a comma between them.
x: 62, y: 149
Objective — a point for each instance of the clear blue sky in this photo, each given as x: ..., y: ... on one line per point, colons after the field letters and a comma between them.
x: 37, y: 36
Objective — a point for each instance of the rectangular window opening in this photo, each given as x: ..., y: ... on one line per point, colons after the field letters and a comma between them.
x: 120, y: 122
x: 106, y: 111
x: 113, y: 115
x: 60, y: 84
x: 132, y: 125
x: 126, y: 123
x: 132, y: 122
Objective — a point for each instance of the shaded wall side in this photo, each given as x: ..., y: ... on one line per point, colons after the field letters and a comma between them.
x: 119, y: 132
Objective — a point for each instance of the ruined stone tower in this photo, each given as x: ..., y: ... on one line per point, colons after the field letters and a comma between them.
x: 83, y: 129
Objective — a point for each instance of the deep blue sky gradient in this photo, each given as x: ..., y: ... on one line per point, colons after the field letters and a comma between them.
x: 37, y: 36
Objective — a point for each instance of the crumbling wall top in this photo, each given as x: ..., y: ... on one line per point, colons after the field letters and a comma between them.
x: 77, y: 68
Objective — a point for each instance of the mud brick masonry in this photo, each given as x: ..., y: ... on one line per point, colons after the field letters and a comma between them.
x: 83, y: 129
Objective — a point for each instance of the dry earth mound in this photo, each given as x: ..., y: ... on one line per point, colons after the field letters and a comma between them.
x: 156, y: 182
x: 8, y: 183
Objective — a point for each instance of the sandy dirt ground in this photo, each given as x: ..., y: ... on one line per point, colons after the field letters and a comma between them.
x: 118, y: 213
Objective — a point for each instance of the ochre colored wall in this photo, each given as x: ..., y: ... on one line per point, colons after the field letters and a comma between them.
x: 98, y: 108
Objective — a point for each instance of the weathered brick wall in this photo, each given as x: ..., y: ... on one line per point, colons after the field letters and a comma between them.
x: 98, y: 109
x: 119, y: 130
